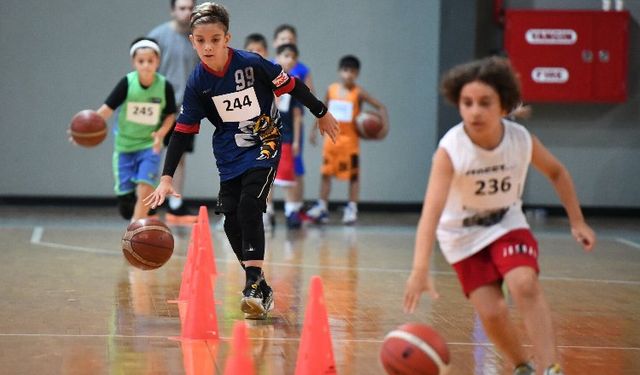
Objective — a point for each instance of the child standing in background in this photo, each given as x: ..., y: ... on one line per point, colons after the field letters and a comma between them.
x: 473, y: 204
x: 342, y: 159
x: 146, y: 104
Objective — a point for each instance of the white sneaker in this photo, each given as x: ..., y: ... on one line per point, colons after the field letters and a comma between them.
x: 554, y: 369
x: 350, y: 215
x: 318, y: 214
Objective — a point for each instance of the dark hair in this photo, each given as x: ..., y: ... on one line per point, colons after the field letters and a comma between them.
x: 349, y: 62
x: 284, y: 27
x: 287, y: 47
x: 255, y: 38
x: 494, y: 71
x: 210, y: 12
x: 136, y: 40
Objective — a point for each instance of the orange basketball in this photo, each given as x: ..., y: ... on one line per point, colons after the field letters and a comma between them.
x: 88, y: 128
x: 147, y: 244
x: 415, y: 349
x: 369, y: 126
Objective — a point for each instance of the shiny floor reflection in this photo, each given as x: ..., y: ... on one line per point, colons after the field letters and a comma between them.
x: 72, y: 305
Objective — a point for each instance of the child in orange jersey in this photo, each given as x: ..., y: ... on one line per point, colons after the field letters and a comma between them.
x: 341, y: 160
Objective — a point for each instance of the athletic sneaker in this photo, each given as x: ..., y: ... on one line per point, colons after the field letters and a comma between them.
x: 294, y: 221
x: 267, y: 303
x: 350, y: 215
x: 318, y: 214
x: 251, y: 302
x: 181, y: 215
x: 554, y: 369
x: 524, y: 369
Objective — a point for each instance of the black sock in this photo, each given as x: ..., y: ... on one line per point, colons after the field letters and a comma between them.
x: 263, y: 283
x: 253, y: 274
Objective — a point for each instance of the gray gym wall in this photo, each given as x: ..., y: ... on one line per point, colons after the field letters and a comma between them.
x: 60, y: 57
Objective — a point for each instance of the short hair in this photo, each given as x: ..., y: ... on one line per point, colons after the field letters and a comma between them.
x: 287, y: 47
x: 494, y: 71
x: 210, y: 12
x: 349, y: 62
x: 173, y: 3
x: 284, y: 27
x: 255, y: 38
x: 136, y: 40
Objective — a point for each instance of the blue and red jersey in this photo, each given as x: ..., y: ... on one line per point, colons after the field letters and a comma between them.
x: 232, y: 100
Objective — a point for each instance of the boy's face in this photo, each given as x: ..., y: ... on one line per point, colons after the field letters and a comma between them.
x: 480, y: 107
x: 284, y: 37
x: 257, y: 47
x: 287, y: 59
x: 181, y: 13
x: 210, y: 42
x: 146, y: 62
x: 348, y: 76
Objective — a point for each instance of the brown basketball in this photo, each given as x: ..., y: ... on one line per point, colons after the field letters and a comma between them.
x: 88, y: 128
x: 147, y: 244
x: 414, y: 349
x: 369, y: 126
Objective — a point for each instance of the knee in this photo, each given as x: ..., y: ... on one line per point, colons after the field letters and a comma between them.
x: 524, y: 285
x: 249, y: 209
x: 493, y: 313
x: 126, y: 205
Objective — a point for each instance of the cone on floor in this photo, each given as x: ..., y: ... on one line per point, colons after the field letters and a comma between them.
x: 205, y: 240
x: 240, y: 360
x: 200, y: 322
x: 315, y: 354
x: 198, y: 356
x: 187, y: 273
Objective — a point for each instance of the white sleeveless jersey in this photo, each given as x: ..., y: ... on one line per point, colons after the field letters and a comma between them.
x: 484, y: 200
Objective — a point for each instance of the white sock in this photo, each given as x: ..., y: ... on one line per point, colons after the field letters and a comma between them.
x: 322, y: 204
x: 175, y: 202
x: 353, y: 205
x: 289, y: 208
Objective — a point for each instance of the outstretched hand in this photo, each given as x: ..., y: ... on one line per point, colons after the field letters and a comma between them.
x: 328, y: 124
x: 158, y: 196
x: 418, y: 283
x: 584, y: 235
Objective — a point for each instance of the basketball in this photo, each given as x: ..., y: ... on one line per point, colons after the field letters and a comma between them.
x: 415, y: 349
x: 369, y: 126
x: 147, y: 244
x: 88, y: 128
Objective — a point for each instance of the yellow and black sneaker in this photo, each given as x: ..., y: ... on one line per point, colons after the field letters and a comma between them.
x: 251, y: 302
x: 524, y: 369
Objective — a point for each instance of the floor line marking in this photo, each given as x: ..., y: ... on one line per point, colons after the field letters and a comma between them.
x: 635, y: 245
x: 225, y: 338
x: 38, y: 232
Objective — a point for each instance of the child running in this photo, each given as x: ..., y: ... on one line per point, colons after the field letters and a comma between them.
x: 234, y: 90
x: 473, y: 205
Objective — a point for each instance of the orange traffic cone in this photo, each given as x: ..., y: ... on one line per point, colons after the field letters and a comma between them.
x: 315, y: 354
x: 187, y: 273
x: 200, y: 321
x: 206, y: 242
x: 198, y: 356
x: 240, y: 360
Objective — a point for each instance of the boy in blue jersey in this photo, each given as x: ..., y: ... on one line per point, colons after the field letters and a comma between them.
x: 146, y: 111
x: 234, y: 90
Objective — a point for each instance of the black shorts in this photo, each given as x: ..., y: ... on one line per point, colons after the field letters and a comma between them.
x: 254, y: 182
x: 189, y: 144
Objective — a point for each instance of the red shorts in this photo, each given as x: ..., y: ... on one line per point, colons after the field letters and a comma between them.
x: 515, y: 249
x: 285, y: 176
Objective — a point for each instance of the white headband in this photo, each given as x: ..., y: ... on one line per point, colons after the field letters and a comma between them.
x: 144, y: 43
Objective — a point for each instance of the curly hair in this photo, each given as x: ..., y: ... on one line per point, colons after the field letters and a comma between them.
x: 210, y: 12
x: 494, y: 71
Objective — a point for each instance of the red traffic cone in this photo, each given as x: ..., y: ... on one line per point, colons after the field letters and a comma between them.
x: 315, y: 354
x: 240, y: 360
x: 198, y: 356
x: 187, y: 273
x: 205, y: 239
x: 200, y: 322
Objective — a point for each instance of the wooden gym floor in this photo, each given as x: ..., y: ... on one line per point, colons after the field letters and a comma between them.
x: 71, y: 304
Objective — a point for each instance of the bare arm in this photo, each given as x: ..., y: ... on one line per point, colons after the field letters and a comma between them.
x: 382, y: 110
x: 297, y: 128
x: 434, y: 201
x: 105, y: 112
x: 309, y: 82
x: 158, y: 135
x: 544, y: 161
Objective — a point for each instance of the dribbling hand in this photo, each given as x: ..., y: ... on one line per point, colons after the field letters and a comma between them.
x: 584, y: 235
x: 418, y: 283
x: 158, y: 196
x: 328, y: 124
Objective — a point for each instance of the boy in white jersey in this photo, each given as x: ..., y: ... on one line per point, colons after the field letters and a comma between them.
x: 473, y: 206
